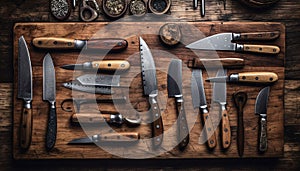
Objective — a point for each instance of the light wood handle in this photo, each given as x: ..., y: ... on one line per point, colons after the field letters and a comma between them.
x: 26, y: 128
x: 120, y: 137
x: 87, y: 118
x: 216, y: 63
x: 266, y: 49
x: 258, y: 77
x: 107, y: 44
x: 226, y: 132
x: 111, y: 65
x: 260, y: 36
x: 209, y: 131
x: 53, y: 43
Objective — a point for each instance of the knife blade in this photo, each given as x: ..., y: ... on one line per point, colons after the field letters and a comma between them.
x: 151, y: 90
x: 219, y: 96
x: 199, y: 101
x: 174, y: 84
x: 202, y: 9
x: 49, y: 94
x: 99, y: 80
x: 224, y: 42
x: 105, y: 65
x: 248, y: 77
x: 124, y: 137
x: 89, y: 89
x: 112, y: 44
x: 261, y: 110
x: 25, y: 93
x: 195, y: 4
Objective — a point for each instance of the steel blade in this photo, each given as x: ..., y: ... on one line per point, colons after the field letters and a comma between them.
x: 89, y: 89
x: 73, y: 67
x: 148, y: 68
x: 262, y: 101
x: 174, y: 80
x: 24, y: 71
x: 49, y: 83
x: 218, y: 79
x: 99, y: 80
x: 87, y: 140
x: 220, y: 41
x: 219, y: 89
x: 198, y: 93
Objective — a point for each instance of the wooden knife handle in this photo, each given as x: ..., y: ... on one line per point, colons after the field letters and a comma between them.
x: 120, y: 137
x: 215, y: 63
x: 157, y: 124
x: 51, y: 127
x: 263, y: 144
x: 26, y: 126
x: 258, y: 77
x: 265, y: 49
x: 53, y: 43
x: 209, y: 130
x: 226, y: 132
x: 183, y: 129
x: 111, y: 65
x: 90, y: 118
x: 107, y: 44
x: 260, y: 36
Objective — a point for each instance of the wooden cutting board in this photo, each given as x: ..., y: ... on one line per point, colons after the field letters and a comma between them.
x: 137, y: 103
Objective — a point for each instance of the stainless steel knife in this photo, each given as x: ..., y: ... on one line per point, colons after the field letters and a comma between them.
x: 261, y: 110
x: 199, y: 101
x: 219, y: 96
x: 25, y: 93
x: 151, y: 90
x: 105, y: 65
x: 174, y: 83
x: 89, y: 89
x: 224, y: 42
x: 49, y: 94
x: 99, y: 80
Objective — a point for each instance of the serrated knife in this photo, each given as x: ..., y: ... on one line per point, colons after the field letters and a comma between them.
x: 49, y: 94
x: 25, y: 93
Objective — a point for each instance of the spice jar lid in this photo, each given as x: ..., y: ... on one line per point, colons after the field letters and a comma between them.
x: 159, y: 6
x: 114, y: 8
x: 138, y: 7
x: 170, y: 34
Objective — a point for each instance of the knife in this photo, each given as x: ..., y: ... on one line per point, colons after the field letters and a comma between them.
x: 223, y: 41
x: 112, y: 44
x: 106, y: 65
x: 261, y: 110
x: 124, y: 137
x: 151, y: 90
x: 216, y: 63
x: 25, y: 93
x: 99, y: 80
x: 248, y: 77
x: 49, y: 94
x: 174, y: 82
x: 219, y: 96
x: 199, y: 101
x: 195, y: 4
x: 202, y: 4
x: 88, y: 89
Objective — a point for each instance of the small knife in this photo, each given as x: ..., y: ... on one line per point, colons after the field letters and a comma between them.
x: 66, y: 43
x: 99, y: 80
x: 224, y: 41
x: 248, y: 77
x: 106, y: 65
x: 174, y: 82
x: 216, y: 63
x: 25, y: 93
x: 124, y: 137
x: 261, y: 110
x: 49, y: 94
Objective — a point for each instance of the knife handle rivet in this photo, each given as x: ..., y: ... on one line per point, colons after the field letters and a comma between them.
x: 158, y: 139
x: 109, y: 64
x: 256, y: 78
x: 271, y: 79
x: 155, y: 107
x: 226, y: 142
x: 122, y: 65
x: 208, y: 129
x: 55, y: 42
x: 224, y: 115
x: 274, y: 50
x: 225, y: 130
x: 156, y: 114
x: 69, y: 44
x: 243, y: 77
x: 211, y: 141
x: 260, y: 49
x: 40, y: 42
x: 157, y: 126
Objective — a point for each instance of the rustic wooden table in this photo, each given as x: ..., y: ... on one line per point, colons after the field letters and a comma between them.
x: 286, y: 11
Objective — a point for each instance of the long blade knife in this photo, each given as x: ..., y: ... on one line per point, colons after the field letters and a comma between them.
x: 111, y: 44
x: 151, y: 90
x: 25, y: 93
x: 105, y: 65
x: 219, y: 96
x: 49, y: 94
x: 261, y: 110
x: 89, y: 89
x: 174, y: 82
x: 224, y: 42
x: 199, y: 101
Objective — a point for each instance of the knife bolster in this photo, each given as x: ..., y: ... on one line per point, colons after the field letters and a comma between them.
x: 79, y: 44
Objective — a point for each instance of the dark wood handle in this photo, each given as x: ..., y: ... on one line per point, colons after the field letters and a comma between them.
x: 26, y: 127
x: 263, y: 141
x: 226, y: 132
x: 183, y: 129
x: 209, y: 130
x: 260, y: 36
x: 120, y: 137
x: 107, y: 44
x: 264, y: 49
x: 258, y: 77
x: 51, y: 128
x: 157, y: 124
x: 111, y: 65
x: 215, y: 63
x: 53, y: 43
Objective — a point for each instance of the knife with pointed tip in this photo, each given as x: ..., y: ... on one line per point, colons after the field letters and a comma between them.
x: 199, y: 101
x: 261, y: 110
x: 174, y: 83
x: 25, y: 93
x: 151, y: 90
x: 89, y: 89
x: 105, y: 65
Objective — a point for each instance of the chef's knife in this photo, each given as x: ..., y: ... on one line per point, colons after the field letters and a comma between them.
x: 248, y: 77
x: 151, y: 90
x: 105, y: 65
x: 261, y: 110
x: 111, y: 44
x: 49, y: 94
x: 124, y: 137
x: 223, y: 41
x: 25, y: 93
x: 219, y: 96
x: 174, y: 82
x: 199, y: 101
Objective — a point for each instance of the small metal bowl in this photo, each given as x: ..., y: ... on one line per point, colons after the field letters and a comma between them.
x: 159, y: 7
x: 114, y: 8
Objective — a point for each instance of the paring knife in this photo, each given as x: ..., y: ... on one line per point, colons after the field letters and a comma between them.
x: 25, y: 93
x: 216, y: 63
x: 248, y: 77
x: 261, y: 110
x: 224, y: 41
x: 219, y: 96
x: 151, y: 90
x: 49, y: 94
x: 111, y: 44
x: 174, y: 82
x: 199, y: 101
x: 105, y: 65
x: 124, y: 137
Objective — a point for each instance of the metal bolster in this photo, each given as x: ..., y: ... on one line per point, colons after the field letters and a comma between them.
x: 204, y: 109
x: 52, y: 105
x: 179, y: 98
x: 239, y: 47
x: 116, y: 118
x: 27, y: 104
x: 263, y: 116
x: 223, y: 106
x: 95, y: 138
x: 153, y: 95
x: 234, y: 77
x: 79, y: 44
x: 236, y: 36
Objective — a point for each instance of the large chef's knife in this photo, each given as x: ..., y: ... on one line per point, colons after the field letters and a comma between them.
x: 261, y: 110
x: 25, y: 93
x: 223, y: 41
x: 105, y: 65
x: 66, y: 43
x: 174, y: 82
x: 151, y: 90
x: 219, y: 96
x: 199, y: 101
x: 49, y: 94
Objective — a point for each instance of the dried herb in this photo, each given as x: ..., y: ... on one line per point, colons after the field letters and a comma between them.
x: 115, y: 7
x: 138, y: 7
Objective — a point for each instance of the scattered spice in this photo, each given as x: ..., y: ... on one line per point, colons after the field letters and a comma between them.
x: 115, y: 7
x: 138, y: 7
